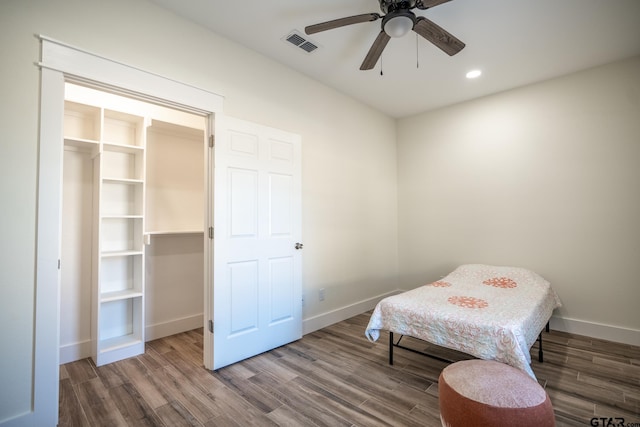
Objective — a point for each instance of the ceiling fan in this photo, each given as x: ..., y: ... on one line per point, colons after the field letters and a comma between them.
x: 397, y: 21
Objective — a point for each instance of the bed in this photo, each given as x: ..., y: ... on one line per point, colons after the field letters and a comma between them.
x: 490, y: 312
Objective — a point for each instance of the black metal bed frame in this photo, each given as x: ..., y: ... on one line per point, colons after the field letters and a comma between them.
x: 392, y: 344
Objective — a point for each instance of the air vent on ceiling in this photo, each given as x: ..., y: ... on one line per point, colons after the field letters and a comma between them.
x: 297, y: 39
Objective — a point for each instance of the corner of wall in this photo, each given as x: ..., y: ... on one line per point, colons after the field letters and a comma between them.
x: 338, y: 315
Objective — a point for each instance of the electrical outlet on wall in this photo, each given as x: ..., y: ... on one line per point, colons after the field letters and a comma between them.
x: 321, y: 294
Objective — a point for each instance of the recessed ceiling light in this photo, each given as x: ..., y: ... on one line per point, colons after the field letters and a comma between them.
x: 473, y: 74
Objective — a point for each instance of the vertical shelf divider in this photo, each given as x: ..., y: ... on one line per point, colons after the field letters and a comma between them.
x: 119, y: 250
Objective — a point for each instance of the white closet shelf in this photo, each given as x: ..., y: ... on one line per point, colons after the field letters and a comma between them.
x: 173, y: 232
x: 71, y: 141
x: 120, y: 295
x: 113, y: 146
x: 107, y: 254
x: 123, y: 180
x: 119, y: 342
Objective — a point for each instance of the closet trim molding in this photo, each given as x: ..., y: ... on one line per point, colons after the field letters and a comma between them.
x: 103, y: 73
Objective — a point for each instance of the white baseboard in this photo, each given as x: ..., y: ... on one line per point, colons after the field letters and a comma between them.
x: 338, y: 315
x: 19, y: 420
x: 82, y: 350
x: 596, y: 330
x: 172, y: 327
x: 75, y: 351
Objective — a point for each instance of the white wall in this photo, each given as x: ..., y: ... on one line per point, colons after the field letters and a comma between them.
x: 349, y: 169
x: 544, y: 177
x: 173, y: 284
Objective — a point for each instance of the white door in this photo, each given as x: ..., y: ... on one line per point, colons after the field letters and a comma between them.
x: 257, y: 274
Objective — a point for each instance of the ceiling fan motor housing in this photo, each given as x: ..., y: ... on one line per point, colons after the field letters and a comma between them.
x: 388, y: 6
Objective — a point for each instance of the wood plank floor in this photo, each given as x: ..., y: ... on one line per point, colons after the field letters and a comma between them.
x: 332, y: 377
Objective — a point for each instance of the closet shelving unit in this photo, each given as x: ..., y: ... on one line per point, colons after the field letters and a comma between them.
x: 133, y: 224
x: 117, y: 143
x: 175, y: 213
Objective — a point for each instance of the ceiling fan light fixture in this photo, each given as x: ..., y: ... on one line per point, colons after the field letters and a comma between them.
x: 398, y: 26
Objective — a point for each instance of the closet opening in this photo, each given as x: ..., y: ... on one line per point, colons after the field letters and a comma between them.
x: 134, y: 209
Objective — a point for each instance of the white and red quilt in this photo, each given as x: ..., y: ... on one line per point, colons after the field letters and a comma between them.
x: 490, y: 312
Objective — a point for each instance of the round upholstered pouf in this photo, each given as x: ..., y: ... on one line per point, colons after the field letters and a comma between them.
x: 487, y: 393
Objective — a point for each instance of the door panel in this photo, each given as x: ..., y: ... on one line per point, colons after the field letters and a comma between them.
x: 243, y: 281
x: 281, y: 205
x: 281, y: 285
x: 243, y: 203
x: 257, y: 297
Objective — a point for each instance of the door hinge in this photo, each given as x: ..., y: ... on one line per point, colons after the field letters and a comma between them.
x: 211, y: 326
x: 58, y: 264
x: 211, y: 232
x: 212, y: 141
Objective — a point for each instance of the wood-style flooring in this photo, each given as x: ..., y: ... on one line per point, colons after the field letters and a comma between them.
x: 332, y: 377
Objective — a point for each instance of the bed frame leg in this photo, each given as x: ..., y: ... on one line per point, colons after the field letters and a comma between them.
x: 540, y: 358
x: 390, y: 348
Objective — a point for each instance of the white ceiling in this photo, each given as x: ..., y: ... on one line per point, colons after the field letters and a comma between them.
x: 514, y: 42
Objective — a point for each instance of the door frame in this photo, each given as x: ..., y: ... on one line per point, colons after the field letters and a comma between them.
x: 59, y: 63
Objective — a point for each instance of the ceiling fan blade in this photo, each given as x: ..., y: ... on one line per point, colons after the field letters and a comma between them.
x: 438, y: 36
x: 341, y: 22
x: 427, y: 4
x: 376, y: 50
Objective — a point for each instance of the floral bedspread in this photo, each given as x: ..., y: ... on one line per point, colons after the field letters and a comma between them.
x: 490, y: 312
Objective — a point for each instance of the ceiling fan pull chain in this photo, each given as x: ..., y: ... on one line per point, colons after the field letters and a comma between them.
x: 417, y: 53
x: 381, y: 73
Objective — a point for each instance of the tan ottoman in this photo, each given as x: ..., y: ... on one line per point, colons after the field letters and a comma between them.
x: 488, y: 393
